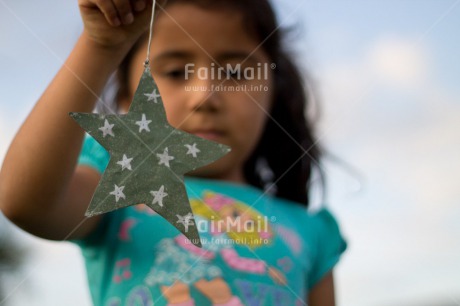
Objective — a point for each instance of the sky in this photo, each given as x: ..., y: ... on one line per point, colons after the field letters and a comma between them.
x: 385, y: 75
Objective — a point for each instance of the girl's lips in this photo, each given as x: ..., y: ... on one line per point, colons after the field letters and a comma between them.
x: 210, y: 135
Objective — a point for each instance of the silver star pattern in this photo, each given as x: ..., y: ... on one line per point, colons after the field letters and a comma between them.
x: 192, y: 149
x: 144, y: 124
x: 186, y: 220
x: 118, y: 193
x: 125, y: 163
x: 159, y: 195
x: 152, y: 96
x: 165, y: 158
x: 107, y: 129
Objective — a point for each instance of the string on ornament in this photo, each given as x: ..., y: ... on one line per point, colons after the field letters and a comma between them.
x: 147, y: 60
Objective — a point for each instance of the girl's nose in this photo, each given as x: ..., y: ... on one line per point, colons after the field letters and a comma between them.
x: 204, y: 95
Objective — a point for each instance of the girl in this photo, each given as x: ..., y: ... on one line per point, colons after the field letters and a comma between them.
x: 258, y: 249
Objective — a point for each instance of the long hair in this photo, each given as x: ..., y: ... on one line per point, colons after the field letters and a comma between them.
x: 287, y: 152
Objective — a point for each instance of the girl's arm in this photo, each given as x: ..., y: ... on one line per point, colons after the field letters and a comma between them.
x: 322, y: 294
x: 41, y: 190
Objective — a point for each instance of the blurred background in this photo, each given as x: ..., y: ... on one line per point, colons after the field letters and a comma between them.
x: 386, y: 74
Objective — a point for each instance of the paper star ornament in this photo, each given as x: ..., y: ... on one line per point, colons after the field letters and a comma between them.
x: 148, y: 159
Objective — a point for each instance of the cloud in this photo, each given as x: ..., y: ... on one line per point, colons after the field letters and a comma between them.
x: 391, y: 62
x: 385, y: 85
x: 387, y: 113
x: 398, y: 61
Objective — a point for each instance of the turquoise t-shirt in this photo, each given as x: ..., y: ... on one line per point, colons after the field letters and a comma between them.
x: 257, y: 249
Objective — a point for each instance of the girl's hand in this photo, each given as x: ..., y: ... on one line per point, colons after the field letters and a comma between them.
x: 115, y: 23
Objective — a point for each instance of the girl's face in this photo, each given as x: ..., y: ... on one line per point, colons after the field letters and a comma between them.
x: 189, y: 41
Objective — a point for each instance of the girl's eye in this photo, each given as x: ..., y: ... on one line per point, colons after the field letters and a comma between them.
x: 177, y: 74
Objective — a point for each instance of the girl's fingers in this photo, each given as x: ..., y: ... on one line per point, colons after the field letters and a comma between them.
x: 139, y: 5
x: 109, y: 11
x: 124, y: 10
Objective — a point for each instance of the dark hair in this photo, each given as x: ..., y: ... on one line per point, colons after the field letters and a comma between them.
x: 287, y: 145
x: 286, y: 154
